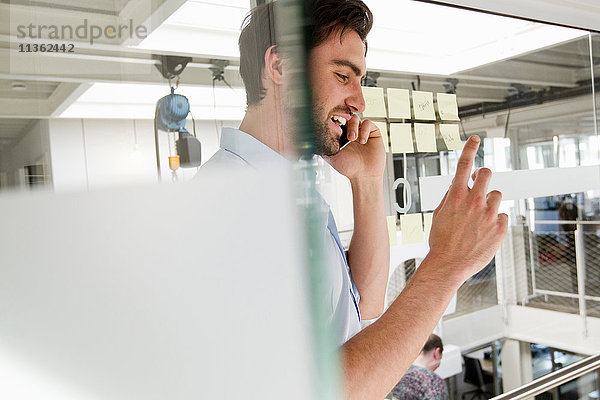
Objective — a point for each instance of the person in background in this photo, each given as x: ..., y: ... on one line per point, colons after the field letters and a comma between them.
x: 420, y: 381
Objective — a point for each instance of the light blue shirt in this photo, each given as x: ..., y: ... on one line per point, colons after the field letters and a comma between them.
x: 243, y: 150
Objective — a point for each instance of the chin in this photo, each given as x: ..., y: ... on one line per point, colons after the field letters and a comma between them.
x: 331, y: 148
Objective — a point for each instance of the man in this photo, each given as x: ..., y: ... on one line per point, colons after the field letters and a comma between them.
x: 420, y: 381
x: 467, y: 229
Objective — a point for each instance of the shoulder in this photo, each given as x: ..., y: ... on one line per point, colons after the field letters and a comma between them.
x: 221, y: 161
x: 420, y: 384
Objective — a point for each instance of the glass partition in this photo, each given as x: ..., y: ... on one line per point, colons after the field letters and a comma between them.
x: 129, y: 94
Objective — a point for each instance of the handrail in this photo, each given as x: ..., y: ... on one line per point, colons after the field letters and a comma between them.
x: 552, y: 380
x: 564, y: 222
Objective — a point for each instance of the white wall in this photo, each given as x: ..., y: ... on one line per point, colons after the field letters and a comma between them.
x: 97, y: 153
x: 31, y: 148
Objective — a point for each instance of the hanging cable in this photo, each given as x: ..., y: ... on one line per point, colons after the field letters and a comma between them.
x: 507, y: 121
x: 193, y: 123
x: 215, y: 111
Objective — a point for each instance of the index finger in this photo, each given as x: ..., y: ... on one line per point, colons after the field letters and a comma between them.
x: 465, y: 163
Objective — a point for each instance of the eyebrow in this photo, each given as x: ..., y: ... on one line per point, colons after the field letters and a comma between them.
x: 345, y: 63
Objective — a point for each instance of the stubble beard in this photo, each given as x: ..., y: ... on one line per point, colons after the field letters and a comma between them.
x: 325, y: 143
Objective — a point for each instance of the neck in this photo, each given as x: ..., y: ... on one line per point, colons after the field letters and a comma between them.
x: 423, y: 361
x: 263, y: 121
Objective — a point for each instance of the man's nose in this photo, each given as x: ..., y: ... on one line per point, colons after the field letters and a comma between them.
x: 355, y: 99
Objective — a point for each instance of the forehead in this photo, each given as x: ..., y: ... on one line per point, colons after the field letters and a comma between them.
x: 349, y: 47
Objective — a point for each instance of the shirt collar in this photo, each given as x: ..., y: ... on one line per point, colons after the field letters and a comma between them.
x: 251, y: 150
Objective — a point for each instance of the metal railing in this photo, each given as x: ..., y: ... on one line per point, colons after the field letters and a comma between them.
x: 553, y: 256
x: 553, y: 379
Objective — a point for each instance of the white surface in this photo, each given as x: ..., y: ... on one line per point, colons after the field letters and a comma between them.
x: 150, y: 293
x: 99, y: 153
x: 521, y: 184
x: 436, y: 39
x: 451, y: 361
x: 579, y: 13
x: 201, y: 27
x: 553, y: 328
x: 337, y: 192
x: 474, y: 329
x: 517, y: 355
x: 134, y: 100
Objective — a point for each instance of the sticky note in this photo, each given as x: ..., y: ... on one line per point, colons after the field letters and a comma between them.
x: 391, y: 225
x: 384, y: 134
x: 447, y: 107
x: 427, y: 220
x: 425, y: 135
x: 451, y: 136
x: 374, y: 104
x: 423, y: 105
x: 398, y: 103
x: 401, y: 136
x: 412, y: 228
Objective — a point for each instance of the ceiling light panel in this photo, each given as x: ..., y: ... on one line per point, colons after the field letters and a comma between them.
x: 411, y: 36
x: 117, y: 100
x: 201, y: 28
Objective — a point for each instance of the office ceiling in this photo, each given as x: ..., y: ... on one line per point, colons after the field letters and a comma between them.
x: 41, y: 85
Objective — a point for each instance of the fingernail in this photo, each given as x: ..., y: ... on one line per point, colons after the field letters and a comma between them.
x: 476, y: 138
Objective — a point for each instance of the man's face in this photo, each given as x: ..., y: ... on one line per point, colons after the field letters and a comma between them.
x: 336, y: 68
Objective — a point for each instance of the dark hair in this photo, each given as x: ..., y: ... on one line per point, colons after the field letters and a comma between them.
x: 432, y: 343
x: 258, y: 34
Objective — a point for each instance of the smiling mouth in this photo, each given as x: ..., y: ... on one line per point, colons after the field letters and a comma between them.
x: 340, y: 121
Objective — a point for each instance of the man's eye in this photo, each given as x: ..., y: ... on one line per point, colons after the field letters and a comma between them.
x: 342, y: 77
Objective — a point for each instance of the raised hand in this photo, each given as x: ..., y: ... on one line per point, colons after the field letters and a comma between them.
x: 467, y: 229
x: 365, y: 156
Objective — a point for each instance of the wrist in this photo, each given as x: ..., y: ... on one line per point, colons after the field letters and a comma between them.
x: 366, y: 181
x: 444, y: 269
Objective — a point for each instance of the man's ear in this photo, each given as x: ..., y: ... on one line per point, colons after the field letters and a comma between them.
x: 273, y: 65
x: 437, y: 353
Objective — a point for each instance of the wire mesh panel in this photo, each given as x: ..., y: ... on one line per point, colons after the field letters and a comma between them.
x: 554, y: 261
x: 476, y: 293
x: 545, y: 267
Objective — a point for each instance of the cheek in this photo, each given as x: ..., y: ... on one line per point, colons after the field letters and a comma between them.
x: 324, y: 96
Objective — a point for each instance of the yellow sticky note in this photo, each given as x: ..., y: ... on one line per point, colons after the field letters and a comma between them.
x: 384, y: 134
x: 425, y: 135
x: 451, y: 136
x: 398, y: 103
x: 447, y: 107
x: 401, y: 135
x: 427, y: 221
x: 374, y: 104
x: 412, y: 228
x: 423, y: 105
x: 391, y: 225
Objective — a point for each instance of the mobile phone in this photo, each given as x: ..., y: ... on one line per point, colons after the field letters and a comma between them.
x: 344, y: 138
